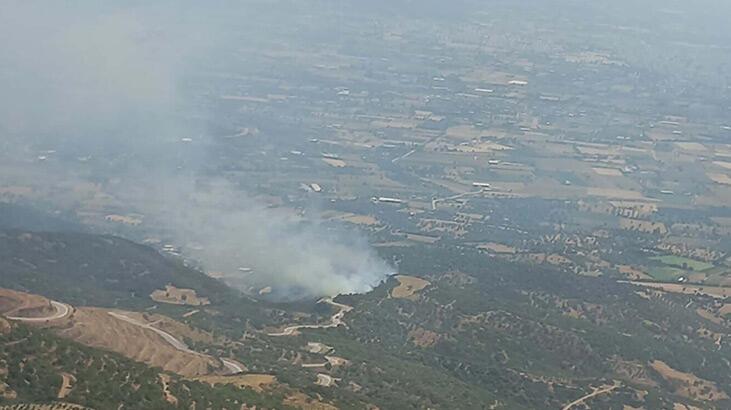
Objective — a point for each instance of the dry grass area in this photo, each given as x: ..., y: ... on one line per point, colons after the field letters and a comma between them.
x: 497, y: 248
x: 616, y: 194
x: 723, y: 164
x: 633, y: 273
x: 337, y: 163
x: 97, y: 328
x: 302, y: 401
x: 257, y: 382
x: 719, y: 178
x: 67, y: 384
x: 632, y: 371
x: 607, y: 172
x: 725, y: 310
x: 14, y: 303
x: 4, y: 326
x: 177, y: 296
x: 356, y: 219
x: 709, y: 316
x: 688, y: 385
x: 165, y: 383
x: 423, y: 338
x: 422, y: 238
x: 408, y: 286
x: 5, y: 391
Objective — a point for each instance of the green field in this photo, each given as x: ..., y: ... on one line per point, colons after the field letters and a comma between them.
x: 665, y: 273
x: 683, y: 263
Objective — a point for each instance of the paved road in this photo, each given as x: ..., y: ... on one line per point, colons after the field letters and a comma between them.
x: 335, y: 321
x: 62, y: 310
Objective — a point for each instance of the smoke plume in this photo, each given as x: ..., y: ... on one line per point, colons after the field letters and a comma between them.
x: 91, y: 79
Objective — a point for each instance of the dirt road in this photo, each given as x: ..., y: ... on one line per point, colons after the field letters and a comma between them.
x: 62, y: 310
x: 335, y: 321
x: 596, y: 392
x: 233, y: 367
x: 172, y: 340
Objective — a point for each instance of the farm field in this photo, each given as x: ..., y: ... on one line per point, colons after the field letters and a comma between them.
x: 683, y: 263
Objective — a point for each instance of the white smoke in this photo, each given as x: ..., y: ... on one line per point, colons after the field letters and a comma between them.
x: 105, y: 78
x: 226, y: 230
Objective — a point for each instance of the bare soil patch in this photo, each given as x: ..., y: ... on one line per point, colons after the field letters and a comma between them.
x: 408, y: 286
x: 302, y: 401
x: 688, y: 385
x: 67, y: 384
x: 497, y: 248
x: 97, y: 328
x: 337, y: 163
x: 177, y: 296
x: 607, y: 172
x: 14, y: 303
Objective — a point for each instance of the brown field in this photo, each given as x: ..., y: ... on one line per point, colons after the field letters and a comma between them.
x: 633, y: 273
x: 725, y: 310
x: 95, y: 327
x: 719, y: 178
x: 422, y: 238
x: 616, y: 194
x: 408, y: 286
x: 689, y: 385
x: 177, y: 296
x: 257, y: 382
x: 337, y: 163
x: 691, y: 146
x: 356, y: 219
x: 608, y: 172
x: 497, y: 248
x: 723, y: 164
x: 710, y: 316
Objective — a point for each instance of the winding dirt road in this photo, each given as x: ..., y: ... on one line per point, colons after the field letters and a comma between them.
x: 335, y: 321
x: 233, y: 367
x: 62, y: 310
